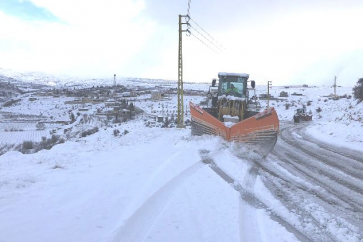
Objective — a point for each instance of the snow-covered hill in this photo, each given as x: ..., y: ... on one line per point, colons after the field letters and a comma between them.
x: 70, y: 81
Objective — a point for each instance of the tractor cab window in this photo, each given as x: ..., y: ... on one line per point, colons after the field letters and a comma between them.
x: 232, y: 86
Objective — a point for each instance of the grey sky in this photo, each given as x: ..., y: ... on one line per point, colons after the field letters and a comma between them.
x: 283, y: 41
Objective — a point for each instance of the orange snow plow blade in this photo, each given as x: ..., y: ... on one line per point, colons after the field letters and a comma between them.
x: 260, y: 130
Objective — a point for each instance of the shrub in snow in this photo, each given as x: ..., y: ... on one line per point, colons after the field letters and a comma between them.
x: 318, y: 110
x: 57, y: 166
x: 116, y: 132
x: 11, y: 102
x: 89, y: 132
x: 49, y: 143
x: 28, y: 145
x: 72, y: 117
x: 166, y: 123
x: 287, y: 106
x: 54, y: 139
x: 40, y: 126
x: 358, y: 90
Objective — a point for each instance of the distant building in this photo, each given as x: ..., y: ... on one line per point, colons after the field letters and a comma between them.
x: 156, y: 95
x: 284, y: 94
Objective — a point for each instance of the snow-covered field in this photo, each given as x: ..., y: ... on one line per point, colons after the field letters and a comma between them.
x: 26, y: 132
x: 156, y: 184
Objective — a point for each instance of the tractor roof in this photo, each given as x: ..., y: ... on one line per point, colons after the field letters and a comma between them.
x: 233, y: 74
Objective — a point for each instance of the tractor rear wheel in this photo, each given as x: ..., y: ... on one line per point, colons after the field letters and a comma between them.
x: 296, y: 119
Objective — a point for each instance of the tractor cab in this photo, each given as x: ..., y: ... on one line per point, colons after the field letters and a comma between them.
x: 232, y: 84
x: 300, y: 111
x: 230, y: 98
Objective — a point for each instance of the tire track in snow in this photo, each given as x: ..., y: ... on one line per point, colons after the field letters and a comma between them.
x: 247, y: 212
x: 285, y: 192
x: 339, y: 183
x: 303, y: 235
x: 141, y: 222
x: 345, y: 152
x: 336, y: 187
x: 336, y: 160
x: 335, y: 179
x: 194, y: 218
x: 249, y: 199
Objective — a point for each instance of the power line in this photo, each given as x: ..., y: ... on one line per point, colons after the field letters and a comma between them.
x: 207, y: 33
x: 188, y: 18
x: 204, y: 37
x: 203, y: 42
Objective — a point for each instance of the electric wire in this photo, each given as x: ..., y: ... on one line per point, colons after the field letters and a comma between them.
x: 206, y: 33
x: 188, y: 32
x: 205, y: 37
x: 191, y: 33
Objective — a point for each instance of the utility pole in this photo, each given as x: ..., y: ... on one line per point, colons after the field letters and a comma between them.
x: 269, y: 85
x: 180, y: 74
x: 114, y: 85
x: 335, y: 86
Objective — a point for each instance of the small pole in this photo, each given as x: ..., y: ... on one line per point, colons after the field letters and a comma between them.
x: 269, y: 84
x: 114, y: 85
x: 335, y: 86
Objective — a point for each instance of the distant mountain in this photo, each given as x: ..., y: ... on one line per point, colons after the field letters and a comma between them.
x: 62, y: 80
x: 28, y: 81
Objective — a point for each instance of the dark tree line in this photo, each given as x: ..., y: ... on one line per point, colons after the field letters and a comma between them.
x: 358, y: 90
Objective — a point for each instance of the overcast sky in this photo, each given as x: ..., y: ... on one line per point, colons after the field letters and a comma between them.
x: 284, y: 41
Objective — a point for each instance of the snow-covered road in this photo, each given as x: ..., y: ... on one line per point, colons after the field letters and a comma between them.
x: 321, y: 184
x: 305, y: 189
x: 164, y: 185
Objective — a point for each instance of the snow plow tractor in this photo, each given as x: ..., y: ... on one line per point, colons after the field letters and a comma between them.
x: 234, y: 113
x: 302, y: 115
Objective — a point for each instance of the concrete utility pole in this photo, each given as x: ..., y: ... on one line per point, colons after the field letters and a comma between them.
x: 180, y: 74
x: 269, y: 85
x: 114, y: 86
